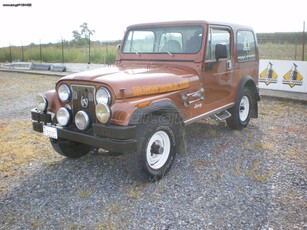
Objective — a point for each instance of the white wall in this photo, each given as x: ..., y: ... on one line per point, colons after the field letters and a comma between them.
x: 283, y: 75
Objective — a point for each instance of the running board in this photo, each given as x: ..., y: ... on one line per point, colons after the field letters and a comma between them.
x: 221, y: 116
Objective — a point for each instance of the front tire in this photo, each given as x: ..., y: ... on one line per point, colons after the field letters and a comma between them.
x: 240, y: 113
x: 156, y: 149
x: 69, y: 148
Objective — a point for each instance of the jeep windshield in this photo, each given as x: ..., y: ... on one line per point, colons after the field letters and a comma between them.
x: 169, y: 40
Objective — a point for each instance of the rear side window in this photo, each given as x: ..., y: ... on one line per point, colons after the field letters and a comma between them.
x: 246, y: 46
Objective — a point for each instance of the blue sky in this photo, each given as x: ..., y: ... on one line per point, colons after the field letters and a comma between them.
x: 50, y: 21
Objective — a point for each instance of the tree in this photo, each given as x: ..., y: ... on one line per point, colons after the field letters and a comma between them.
x: 76, y: 35
x: 85, y: 35
x: 85, y: 31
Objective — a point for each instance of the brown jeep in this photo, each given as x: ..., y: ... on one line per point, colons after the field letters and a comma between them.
x: 166, y: 75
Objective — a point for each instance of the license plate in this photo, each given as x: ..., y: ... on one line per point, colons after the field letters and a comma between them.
x: 50, y: 132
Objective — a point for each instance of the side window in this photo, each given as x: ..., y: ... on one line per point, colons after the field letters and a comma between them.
x: 217, y: 36
x: 246, y: 46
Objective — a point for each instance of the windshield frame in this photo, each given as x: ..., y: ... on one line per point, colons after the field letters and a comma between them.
x: 170, y: 40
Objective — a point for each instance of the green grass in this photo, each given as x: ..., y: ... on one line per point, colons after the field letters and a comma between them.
x: 52, y: 53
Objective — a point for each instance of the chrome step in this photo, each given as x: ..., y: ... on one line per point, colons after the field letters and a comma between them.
x: 221, y: 116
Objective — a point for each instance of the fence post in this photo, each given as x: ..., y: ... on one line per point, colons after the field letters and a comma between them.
x: 22, y: 54
x: 62, y: 51
x: 295, y: 52
x: 40, y: 50
x: 10, y: 53
x: 303, y: 53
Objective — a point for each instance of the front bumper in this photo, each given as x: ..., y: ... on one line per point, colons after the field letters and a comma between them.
x: 119, y: 139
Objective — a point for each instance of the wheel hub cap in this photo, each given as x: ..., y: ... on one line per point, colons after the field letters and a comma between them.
x: 158, y: 150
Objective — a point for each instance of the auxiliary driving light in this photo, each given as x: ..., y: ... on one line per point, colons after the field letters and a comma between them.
x: 63, y: 116
x: 82, y: 120
x: 41, y: 103
x: 103, y: 113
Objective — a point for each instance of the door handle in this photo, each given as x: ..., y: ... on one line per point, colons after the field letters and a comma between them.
x: 229, y: 65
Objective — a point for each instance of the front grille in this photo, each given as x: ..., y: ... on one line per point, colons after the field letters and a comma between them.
x: 83, y: 98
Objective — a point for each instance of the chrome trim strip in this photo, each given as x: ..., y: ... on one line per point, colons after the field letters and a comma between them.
x: 208, y: 114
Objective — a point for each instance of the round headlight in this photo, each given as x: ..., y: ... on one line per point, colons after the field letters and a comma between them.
x: 41, y: 103
x: 64, y: 93
x: 103, y: 113
x: 82, y: 120
x: 103, y: 96
x: 63, y: 116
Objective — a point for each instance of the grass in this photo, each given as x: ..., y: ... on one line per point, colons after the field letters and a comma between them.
x: 105, y: 54
x: 252, y: 171
x: 284, y: 51
x: 20, y: 145
x: 52, y: 53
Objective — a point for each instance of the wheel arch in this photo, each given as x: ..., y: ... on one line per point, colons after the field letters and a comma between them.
x: 249, y: 83
x: 162, y: 108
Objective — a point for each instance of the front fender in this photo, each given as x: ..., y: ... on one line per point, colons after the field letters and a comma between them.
x: 156, y: 108
x: 54, y: 102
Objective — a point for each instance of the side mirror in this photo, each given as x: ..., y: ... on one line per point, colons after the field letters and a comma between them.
x: 118, y: 47
x: 221, y: 51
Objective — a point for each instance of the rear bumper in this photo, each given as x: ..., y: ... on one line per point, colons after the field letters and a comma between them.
x: 113, y: 138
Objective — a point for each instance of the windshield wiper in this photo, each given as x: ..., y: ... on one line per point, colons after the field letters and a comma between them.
x: 162, y: 48
x: 134, y: 50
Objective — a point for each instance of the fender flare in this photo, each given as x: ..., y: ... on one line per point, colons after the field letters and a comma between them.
x: 141, y: 115
x: 156, y: 108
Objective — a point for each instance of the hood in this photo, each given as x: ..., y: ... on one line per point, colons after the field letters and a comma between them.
x: 128, y: 82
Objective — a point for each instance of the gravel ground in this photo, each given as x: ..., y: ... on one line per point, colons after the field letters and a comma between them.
x: 249, y: 179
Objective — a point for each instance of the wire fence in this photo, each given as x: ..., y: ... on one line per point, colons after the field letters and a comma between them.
x: 282, y: 51
x: 270, y: 47
x: 282, y: 46
x: 62, y: 52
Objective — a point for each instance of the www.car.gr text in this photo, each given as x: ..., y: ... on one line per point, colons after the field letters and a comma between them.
x: 16, y: 5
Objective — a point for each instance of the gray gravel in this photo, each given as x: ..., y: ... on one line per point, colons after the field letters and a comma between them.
x: 250, y: 179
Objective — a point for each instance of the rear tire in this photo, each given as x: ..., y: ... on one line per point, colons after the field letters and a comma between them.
x: 156, y: 149
x: 240, y: 113
x: 69, y: 148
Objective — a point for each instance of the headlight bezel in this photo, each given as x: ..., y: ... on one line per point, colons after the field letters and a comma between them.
x: 64, y: 92
x: 103, y: 95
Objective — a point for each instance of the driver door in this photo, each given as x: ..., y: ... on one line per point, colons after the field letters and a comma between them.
x: 217, y: 72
